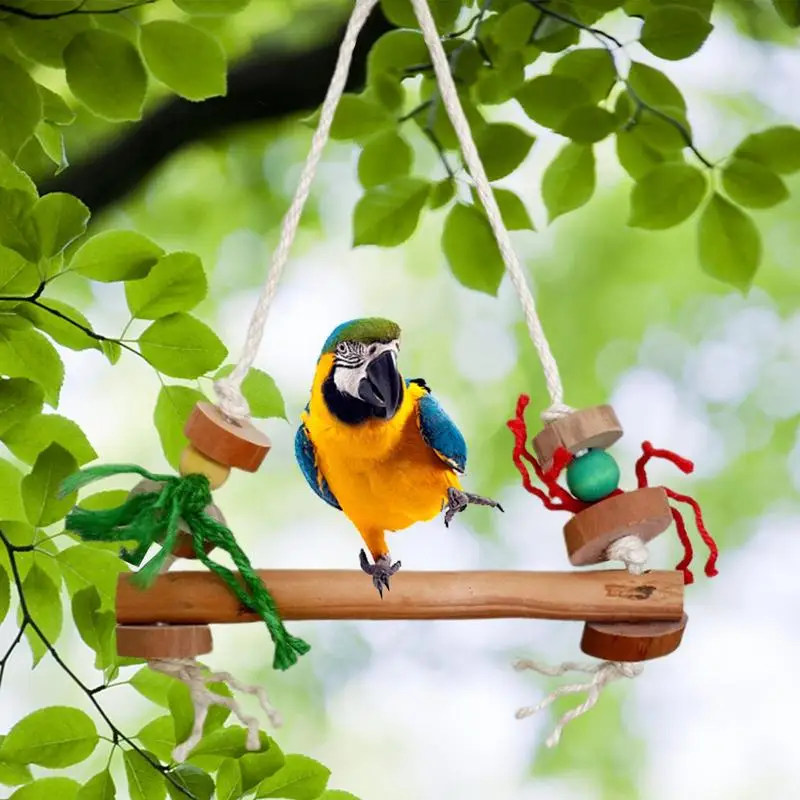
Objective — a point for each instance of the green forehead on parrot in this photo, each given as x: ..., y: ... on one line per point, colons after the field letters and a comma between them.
x: 368, y: 330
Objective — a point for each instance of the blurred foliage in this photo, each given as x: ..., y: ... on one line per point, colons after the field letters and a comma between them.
x: 76, y: 73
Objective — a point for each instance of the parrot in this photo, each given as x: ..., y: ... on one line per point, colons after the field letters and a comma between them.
x: 376, y: 446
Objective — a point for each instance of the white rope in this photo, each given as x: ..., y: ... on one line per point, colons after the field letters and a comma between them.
x: 631, y: 551
x: 602, y: 674
x: 228, y: 390
x: 452, y: 104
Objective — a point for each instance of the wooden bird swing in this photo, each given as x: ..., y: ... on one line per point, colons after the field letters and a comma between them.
x: 630, y: 615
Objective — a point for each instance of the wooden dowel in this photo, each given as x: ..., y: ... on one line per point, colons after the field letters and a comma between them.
x: 597, y: 595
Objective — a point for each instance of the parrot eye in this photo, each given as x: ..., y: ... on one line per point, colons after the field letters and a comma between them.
x: 341, y: 348
x: 373, y: 349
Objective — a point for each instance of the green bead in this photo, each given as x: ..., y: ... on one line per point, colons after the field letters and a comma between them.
x: 593, y: 476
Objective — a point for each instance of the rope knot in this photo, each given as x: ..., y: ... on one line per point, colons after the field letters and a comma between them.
x: 631, y: 551
x: 556, y: 411
x: 231, y: 400
x: 192, y: 495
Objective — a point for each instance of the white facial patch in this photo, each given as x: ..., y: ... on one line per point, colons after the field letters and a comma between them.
x: 351, y: 360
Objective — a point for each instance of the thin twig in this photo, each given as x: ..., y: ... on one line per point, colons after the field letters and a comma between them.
x: 79, y: 9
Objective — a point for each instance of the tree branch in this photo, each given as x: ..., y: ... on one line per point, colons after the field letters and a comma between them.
x: 269, y: 85
x: 79, y: 9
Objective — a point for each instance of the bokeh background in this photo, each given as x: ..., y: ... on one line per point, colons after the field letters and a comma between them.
x: 426, y: 710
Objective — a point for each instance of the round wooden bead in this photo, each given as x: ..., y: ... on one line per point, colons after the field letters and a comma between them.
x: 184, y: 547
x: 593, y: 476
x: 163, y: 641
x: 632, y: 641
x: 643, y: 512
x: 596, y: 427
x: 238, y: 445
x: 193, y: 462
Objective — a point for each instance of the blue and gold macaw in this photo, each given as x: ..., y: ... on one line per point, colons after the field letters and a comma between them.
x: 376, y: 446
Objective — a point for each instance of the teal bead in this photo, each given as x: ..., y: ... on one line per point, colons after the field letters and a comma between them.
x: 593, y: 476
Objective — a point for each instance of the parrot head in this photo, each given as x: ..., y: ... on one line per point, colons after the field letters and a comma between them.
x: 364, y: 380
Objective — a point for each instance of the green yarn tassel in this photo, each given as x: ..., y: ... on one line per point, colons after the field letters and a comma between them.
x: 152, y: 517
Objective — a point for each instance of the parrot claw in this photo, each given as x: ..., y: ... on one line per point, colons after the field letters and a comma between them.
x: 457, y: 501
x: 380, y: 571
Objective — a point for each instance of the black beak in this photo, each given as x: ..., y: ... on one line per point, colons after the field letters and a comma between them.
x: 382, y: 388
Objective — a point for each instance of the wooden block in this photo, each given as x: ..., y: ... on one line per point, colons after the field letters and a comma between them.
x: 238, y: 445
x: 596, y: 427
x: 184, y: 547
x: 193, y: 462
x: 643, y: 512
x: 637, y: 641
x: 163, y: 641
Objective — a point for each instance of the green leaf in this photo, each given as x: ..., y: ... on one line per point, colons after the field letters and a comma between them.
x: 593, y: 67
x: 499, y: 84
x: 25, y: 353
x: 385, y: 157
x: 54, y: 107
x: 471, y: 249
x: 503, y: 147
x: 636, y: 156
x: 21, y: 104
x: 227, y: 742
x: 512, y: 210
x: 145, y: 782
x: 11, y: 507
x: 674, y: 32
x: 95, y: 627
x: 85, y: 565
x: 666, y: 196
x: 116, y: 256
x: 554, y: 35
x: 18, y: 276
x: 777, y: 148
x: 394, y: 53
x: 182, y: 710
x: 5, y: 604
x: 514, y: 27
x: 111, y: 350
x: 16, y: 228
x: 173, y: 407
x: 336, y: 794
x: 357, y: 117
x: 569, y: 180
x: 12, y: 178
x: 441, y: 193
x: 28, y: 439
x: 388, y: 215
x: 191, y: 779
x: 158, y: 736
x: 260, y: 391
x: 752, y: 185
x: 41, y: 486
x: 176, y: 283
x: 401, y: 13
x: 229, y: 780
x: 59, y: 220
x: 211, y: 8
x: 53, y: 737
x: 11, y: 773
x: 789, y: 11
x: 255, y: 767
x: 100, y: 787
x: 155, y: 686
x: 19, y: 400
x: 655, y: 88
x: 300, y: 778
x: 729, y: 243
x: 587, y: 125
x: 63, y: 331
x: 188, y: 60
x: 549, y: 99
x: 44, y: 605
x: 181, y: 346
x: 51, y: 139
x: 48, y: 789
x: 44, y: 40
x: 105, y: 72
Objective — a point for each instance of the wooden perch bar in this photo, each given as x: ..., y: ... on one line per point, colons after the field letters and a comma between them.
x: 596, y: 596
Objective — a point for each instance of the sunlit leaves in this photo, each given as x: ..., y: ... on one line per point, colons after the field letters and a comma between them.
x: 593, y: 67
x: 59, y: 219
x: 789, y: 11
x: 587, y: 125
x: 512, y: 210
x: 503, y: 147
x: 11, y: 507
x: 666, y: 196
x: 261, y: 392
x: 751, y: 184
x: 300, y: 778
x: 549, y: 99
x: 47, y: 789
x: 388, y: 215
x: 190, y: 779
x: 441, y: 193
x: 394, y: 53
x: 729, y: 243
x: 173, y: 407
x: 105, y: 72
x: 84, y: 565
x: 358, y: 116
x: 64, y: 324
x: 155, y: 686
x: 229, y: 780
x: 44, y: 606
x: 34, y: 434
x: 144, y: 780
x: 211, y: 8
x: 401, y: 13
x: 17, y: 231
x: 11, y: 772
x: 776, y: 148
x: 383, y: 158
x: 176, y: 283
x: 654, y: 88
x: 95, y: 626
x: 116, y: 256
x: 569, y: 180
x: 21, y: 104
x: 188, y: 60
x: 19, y: 399
x: 99, y: 787
x: 256, y: 766
x: 41, y: 486
x: 158, y: 736
x: 471, y: 249
x: 182, y: 346
x: 54, y: 737
x: 674, y: 32
x: 636, y: 156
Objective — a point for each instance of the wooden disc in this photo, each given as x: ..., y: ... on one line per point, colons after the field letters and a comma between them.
x: 184, y: 548
x: 642, y: 512
x: 163, y: 641
x: 632, y: 641
x: 597, y: 427
x: 238, y: 445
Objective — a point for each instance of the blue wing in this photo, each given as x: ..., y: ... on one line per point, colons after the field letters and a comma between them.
x: 439, y: 432
x: 306, y: 457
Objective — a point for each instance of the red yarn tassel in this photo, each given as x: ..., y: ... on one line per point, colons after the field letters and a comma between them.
x: 708, y: 539
x: 683, y: 535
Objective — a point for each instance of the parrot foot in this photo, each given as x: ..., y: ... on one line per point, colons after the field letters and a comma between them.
x: 380, y: 571
x: 458, y: 501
